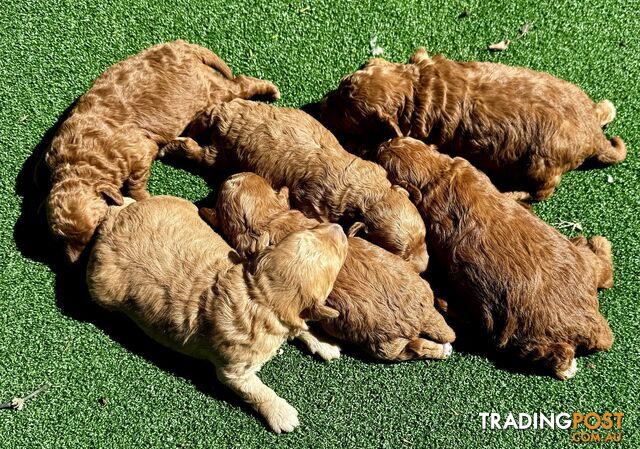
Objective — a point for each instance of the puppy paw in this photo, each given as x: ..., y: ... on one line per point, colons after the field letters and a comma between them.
x: 273, y: 93
x: 447, y: 350
x: 569, y: 372
x: 280, y: 415
x: 326, y: 351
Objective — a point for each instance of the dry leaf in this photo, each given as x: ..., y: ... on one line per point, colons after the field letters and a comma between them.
x: 500, y: 46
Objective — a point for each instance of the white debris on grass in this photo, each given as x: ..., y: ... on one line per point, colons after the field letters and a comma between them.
x: 610, y: 179
x: 376, y: 50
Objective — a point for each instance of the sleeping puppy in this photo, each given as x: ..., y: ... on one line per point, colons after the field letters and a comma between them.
x: 523, y: 128
x: 111, y: 135
x: 158, y: 262
x: 528, y: 289
x: 290, y: 148
x: 385, y: 307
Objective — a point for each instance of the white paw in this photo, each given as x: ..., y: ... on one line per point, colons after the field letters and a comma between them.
x: 447, y: 350
x: 280, y: 415
x: 326, y: 351
x: 569, y: 372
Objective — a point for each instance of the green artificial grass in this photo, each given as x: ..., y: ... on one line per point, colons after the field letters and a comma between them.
x: 113, y: 387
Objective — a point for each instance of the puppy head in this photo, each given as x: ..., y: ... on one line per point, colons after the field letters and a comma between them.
x: 246, y: 203
x: 410, y: 164
x: 74, y: 211
x: 300, y: 272
x: 369, y: 102
x: 395, y: 224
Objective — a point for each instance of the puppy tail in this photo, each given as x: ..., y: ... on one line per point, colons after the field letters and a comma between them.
x: 611, y: 152
x: 606, y: 112
x: 214, y: 61
x: 419, y: 56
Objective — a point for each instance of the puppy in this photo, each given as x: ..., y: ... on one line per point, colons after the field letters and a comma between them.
x: 527, y: 288
x: 290, y: 148
x: 191, y: 292
x: 111, y: 135
x: 522, y: 128
x: 385, y: 307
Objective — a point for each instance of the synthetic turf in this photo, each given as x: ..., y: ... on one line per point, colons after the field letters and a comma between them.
x: 113, y: 387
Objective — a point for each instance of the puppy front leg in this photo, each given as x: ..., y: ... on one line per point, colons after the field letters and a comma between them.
x: 518, y: 196
x: 190, y: 149
x: 278, y: 413
x: 137, y: 184
x: 326, y: 351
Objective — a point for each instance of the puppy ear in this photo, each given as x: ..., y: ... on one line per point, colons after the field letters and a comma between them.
x: 209, y: 215
x: 357, y: 227
x: 111, y: 194
x: 320, y: 312
x: 283, y: 196
x: 73, y: 252
x: 391, y: 123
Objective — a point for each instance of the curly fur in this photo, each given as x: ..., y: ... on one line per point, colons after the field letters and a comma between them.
x: 290, y: 148
x: 385, y: 308
x: 158, y: 262
x: 526, y: 287
x: 522, y: 128
x: 111, y: 135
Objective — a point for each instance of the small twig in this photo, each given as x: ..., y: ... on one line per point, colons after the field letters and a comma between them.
x: 19, y: 403
x: 525, y: 29
x: 574, y: 226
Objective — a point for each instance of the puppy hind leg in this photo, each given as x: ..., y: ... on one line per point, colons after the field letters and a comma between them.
x: 279, y: 414
x: 558, y: 358
x: 601, y: 337
x: 606, y: 112
x: 548, y: 186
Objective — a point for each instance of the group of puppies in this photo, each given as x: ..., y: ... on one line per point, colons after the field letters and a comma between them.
x: 447, y: 154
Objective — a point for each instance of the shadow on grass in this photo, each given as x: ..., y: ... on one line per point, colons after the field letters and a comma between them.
x: 33, y: 240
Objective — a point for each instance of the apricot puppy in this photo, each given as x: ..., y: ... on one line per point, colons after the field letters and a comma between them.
x: 290, y: 148
x: 158, y: 262
x: 385, y: 307
x: 111, y: 135
x: 523, y: 128
x: 527, y: 288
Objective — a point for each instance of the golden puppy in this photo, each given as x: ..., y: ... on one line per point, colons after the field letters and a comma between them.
x: 522, y: 128
x: 111, y: 135
x: 158, y: 262
x: 526, y: 287
x: 290, y: 148
x: 385, y: 307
